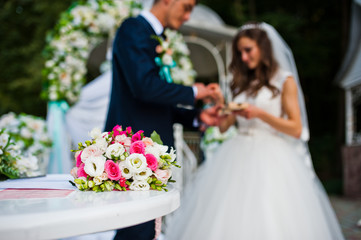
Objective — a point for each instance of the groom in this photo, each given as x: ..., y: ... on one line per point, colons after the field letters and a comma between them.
x: 139, y: 97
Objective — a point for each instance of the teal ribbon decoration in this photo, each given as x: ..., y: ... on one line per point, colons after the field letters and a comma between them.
x: 164, y: 71
x: 57, y: 111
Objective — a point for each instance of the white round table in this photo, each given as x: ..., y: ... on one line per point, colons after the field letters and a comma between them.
x: 82, y: 213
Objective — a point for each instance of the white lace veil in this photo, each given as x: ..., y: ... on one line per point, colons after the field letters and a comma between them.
x: 284, y: 57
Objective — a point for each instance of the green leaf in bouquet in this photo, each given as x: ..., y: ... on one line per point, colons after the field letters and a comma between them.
x: 118, y: 187
x: 96, y: 188
x: 175, y: 164
x: 156, y: 138
x: 9, y: 171
x: 72, y: 183
x: 171, y: 180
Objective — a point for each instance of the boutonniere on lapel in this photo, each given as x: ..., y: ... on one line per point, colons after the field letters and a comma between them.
x: 173, y: 59
x: 164, y: 59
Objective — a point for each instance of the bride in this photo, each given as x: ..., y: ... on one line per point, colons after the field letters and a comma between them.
x: 260, y: 185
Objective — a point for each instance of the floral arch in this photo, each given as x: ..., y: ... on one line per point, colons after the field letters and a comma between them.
x: 80, y: 29
x: 83, y: 27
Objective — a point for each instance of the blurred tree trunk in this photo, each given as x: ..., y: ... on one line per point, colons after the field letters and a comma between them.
x: 252, y: 9
x: 345, y: 18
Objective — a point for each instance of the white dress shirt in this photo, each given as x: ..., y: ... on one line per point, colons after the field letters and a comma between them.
x: 158, y: 29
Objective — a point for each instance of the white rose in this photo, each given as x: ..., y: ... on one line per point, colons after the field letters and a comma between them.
x: 136, y: 163
x: 186, y: 65
x: 152, y: 149
x: 143, y: 175
x: 161, y: 148
x: 7, y: 119
x: 27, y: 164
x: 165, y: 44
x: 105, y: 21
x: 126, y: 173
x: 167, y: 59
x: 77, y: 76
x: 102, y: 144
x: 97, y: 180
x: 26, y: 133
x: 49, y: 63
x: 104, y: 176
x: 115, y: 151
x: 94, y: 166
x: 139, y: 186
x: 95, y: 133
x: 37, y: 125
x: 4, y: 138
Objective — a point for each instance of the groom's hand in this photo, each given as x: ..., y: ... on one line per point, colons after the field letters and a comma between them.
x: 210, y: 116
x: 202, y: 91
x: 215, y: 93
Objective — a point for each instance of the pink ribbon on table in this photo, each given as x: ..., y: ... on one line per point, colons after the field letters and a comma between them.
x: 158, y: 227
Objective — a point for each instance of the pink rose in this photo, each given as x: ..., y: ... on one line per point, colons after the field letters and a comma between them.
x: 112, y: 169
x: 124, y: 140
x: 148, y: 141
x: 128, y: 130
x: 159, y: 49
x: 74, y: 172
x: 137, y: 147
x: 122, y: 183
x: 163, y: 175
x: 91, y: 151
x: 116, y: 130
x: 78, y: 158
x: 137, y: 136
x: 152, y: 162
x: 81, y: 172
x: 169, y: 51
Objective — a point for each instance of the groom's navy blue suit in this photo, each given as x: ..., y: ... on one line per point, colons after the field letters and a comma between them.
x: 140, y: 99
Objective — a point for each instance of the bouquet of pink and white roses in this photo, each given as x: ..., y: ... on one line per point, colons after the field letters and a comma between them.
x: 123, y: 160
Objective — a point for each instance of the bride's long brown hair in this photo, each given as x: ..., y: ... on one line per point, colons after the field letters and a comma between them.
x: 243, y: 77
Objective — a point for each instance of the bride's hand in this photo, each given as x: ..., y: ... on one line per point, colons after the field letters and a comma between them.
x: 249, y: 112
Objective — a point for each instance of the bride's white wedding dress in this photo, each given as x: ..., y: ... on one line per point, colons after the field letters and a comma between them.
x: 256, y: 187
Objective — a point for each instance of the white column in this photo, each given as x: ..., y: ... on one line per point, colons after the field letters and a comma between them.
x: 349, y: 126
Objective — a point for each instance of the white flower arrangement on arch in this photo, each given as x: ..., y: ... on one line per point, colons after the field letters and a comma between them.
x: 80, y: 29
x: 24, y: 145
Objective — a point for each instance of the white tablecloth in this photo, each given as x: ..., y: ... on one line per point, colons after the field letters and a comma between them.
x: 49, y: 217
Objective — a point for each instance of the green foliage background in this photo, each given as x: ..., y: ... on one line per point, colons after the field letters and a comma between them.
x: 315, y: 30
x: 22, y: 40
